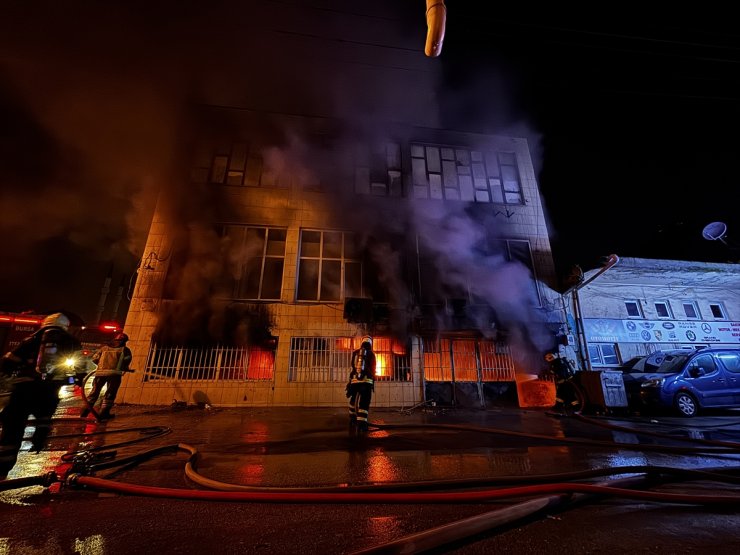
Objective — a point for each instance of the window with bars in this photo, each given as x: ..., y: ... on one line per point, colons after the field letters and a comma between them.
x: 378, y: 170
x: 463, y: 174
x: 222, y: 363
x: 255, y: 262
x: 327, y: 359
x: 467, y: 360
x: 329, y: 267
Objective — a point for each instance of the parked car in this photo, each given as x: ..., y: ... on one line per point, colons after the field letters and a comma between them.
x: 686, y: 380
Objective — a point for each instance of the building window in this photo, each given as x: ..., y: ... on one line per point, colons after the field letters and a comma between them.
x: 516, y: 250
x: 718, y: 311
x: 427, y: 283
x: 603, y: 354
x: 222, y: 363
x: 663, y: 309
x: 691, y: 310
x: 238, y: 164
x: 255, y: 262
x: 463, y: 174
x: 378, y: 170
x: 327, y: 359
x: 633, y: 309
x: 329, y: 267
x: 462, y: 358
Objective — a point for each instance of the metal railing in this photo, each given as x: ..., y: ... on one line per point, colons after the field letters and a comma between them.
x: 219, y: 363
x: 327, y: 359
x: 468, y: 360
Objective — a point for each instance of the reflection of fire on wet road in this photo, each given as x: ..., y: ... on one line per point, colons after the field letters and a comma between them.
x: 66, y: 423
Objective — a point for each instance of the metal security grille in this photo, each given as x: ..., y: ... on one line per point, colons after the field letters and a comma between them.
x: 461, y: 360
x: 210, y: 364
x: 496, y: 363
x: 327, y: 359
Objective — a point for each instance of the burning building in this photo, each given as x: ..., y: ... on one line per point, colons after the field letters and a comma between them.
x: 329, y: 200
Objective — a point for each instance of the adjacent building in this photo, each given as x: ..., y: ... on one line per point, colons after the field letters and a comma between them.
x: 637, y: 306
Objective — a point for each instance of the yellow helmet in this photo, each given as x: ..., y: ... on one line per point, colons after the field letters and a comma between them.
x: 57, y: 319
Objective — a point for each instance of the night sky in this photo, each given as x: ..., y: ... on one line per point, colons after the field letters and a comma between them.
x: 634, y: 117
x: 631, y: 117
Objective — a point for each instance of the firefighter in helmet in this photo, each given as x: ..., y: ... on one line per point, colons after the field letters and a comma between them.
x: 361, y: 383
x: 112, y: 361
x: 559, y: 366
x: 38, y: 369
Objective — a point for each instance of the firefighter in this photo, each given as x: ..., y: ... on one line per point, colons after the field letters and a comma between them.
x: 569, y: 396
x: 37, y: 370
x: 559, y: 366
x: 112, y: 361
x: 361, y: 383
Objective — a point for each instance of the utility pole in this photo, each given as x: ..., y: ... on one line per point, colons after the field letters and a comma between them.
x: 582, y: 352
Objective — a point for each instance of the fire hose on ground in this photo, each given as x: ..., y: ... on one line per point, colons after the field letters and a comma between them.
x: 555, y: 494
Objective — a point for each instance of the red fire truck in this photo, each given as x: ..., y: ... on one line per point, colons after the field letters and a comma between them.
x: 16, y: 326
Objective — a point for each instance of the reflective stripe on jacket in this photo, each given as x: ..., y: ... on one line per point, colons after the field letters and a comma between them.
x: 112, y: 361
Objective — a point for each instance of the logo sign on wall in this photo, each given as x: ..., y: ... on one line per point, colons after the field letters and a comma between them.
x: 607, y: 330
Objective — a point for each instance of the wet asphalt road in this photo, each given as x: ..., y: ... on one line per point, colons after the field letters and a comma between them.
x: 284, y: 447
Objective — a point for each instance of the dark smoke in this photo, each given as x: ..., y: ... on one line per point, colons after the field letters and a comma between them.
x: 101, y: 97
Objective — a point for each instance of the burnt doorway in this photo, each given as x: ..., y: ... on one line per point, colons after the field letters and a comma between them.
x: 466, y: 372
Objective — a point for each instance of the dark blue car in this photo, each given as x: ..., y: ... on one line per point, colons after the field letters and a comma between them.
x: 686, y: 380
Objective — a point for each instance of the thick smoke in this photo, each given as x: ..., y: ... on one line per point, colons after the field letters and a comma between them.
x: 450, y: 235
x: 100, y: 100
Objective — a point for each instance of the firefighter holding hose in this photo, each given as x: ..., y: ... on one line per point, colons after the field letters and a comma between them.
x: 112, y: 361
x: 361, y: 383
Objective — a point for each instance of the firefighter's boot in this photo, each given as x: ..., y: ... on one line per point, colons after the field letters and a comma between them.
x: 105, y: 413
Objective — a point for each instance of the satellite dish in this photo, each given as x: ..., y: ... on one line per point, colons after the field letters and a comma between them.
x: 714, y: 231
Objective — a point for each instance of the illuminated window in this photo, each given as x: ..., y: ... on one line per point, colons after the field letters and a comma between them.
x: 254, y: 258
x: 327, y: 359
x: 378, y: 170
x: 691, y: 310
x: 663, y: 309
x: 329, y: 268
x: 463, y: 174
x: 210, y: 364
x: 459, y: 360
x: 633, y: 309
x: 718, y: 311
